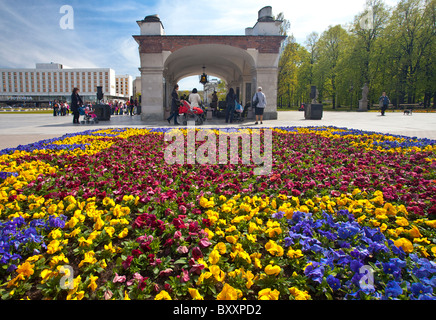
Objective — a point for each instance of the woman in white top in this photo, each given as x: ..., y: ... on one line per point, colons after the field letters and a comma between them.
x: 260, y: 98
x: 194, y: 99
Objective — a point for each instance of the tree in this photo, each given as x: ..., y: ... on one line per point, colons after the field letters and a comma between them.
x: 367, y: 28
x: 286, y: 24
x: 410, y: 36
x: 287, y: 72
x: 312, y: 47
x: 331, y: 47
x: 392, y: 52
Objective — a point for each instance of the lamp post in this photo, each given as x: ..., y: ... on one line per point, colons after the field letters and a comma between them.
x: 203, y: 77
x: 203, y: 81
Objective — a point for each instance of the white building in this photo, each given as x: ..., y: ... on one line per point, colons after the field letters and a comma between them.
x: 123, y: 85
x: 49, y: 81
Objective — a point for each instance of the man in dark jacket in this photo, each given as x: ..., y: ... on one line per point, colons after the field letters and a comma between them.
x: 76, y: 102
x: 175, y: 102
x: 230, y: 101
x: 384, y: 103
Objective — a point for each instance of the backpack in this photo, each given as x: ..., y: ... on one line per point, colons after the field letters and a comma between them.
x: 256, y: 100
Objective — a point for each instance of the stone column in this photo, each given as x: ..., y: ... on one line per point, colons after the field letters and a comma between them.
x: 363, y: 105
x: 267, y: 79
x: 152, y: 94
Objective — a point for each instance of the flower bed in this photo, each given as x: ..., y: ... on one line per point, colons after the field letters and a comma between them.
x: 343, y: 214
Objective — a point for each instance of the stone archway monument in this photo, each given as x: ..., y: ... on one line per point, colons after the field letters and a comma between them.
x: 244, y: 62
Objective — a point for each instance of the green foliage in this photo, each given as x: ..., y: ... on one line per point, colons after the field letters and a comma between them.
x: 389, y: 49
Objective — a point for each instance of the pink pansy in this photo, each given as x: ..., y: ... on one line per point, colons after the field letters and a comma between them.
x: 166, y: 272
x: 182, y: 249
x: 108, y: 295
x: 204, y: 243
x: 185, y: 276
x: 118, y: 278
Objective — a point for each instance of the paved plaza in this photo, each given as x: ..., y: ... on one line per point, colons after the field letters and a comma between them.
x: 22, y: 129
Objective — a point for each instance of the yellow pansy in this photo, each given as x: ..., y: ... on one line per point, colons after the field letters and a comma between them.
x: 73, y: 233
x: 268, y: 294
x: 89, y: 258
x: 256, y: 258
x: 25, y: 269
x: 110, y: 248
x: 214, y: 257
x: 405, y: 244
x: 195, y: 294
x: 274, y: 249
x: 217, y: 273
x: 98, y: 225
x: 110, y: 231
x: 53, y: 246
x: 229, y: 293
x: 299, y: 294
x: 209, y: 233
x: 232, y: 239
x: 414, y: 232
x: 294, y: 254
x: 203, y: 276
x: 205, y: 203
x: 221, y: 247
x: 46, y: 274
x: 401, y: 221
x: 72, y: 222
x: 431, y: 223
x: 272, y: 270
x: 84, y: 242
x: 251, y: 237
x: 92, y: 285
x: 58, y: 259
x: 123, y: 233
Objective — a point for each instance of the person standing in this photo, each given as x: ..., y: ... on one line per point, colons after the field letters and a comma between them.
x: 259, y: 101
x: 175, y: 102
x: 195, y: 99
x: 131, y: 106
x: 214, y: 104
x: 384, y: 103
x: 230, y: 102
x: 76, y: 102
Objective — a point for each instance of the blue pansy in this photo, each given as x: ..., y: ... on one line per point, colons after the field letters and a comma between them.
x: 418, y: 288
x: 278, y: 215
x: 315, y: 272
x: 333, y: 282
x: 393, y: 289
x: 348, y: 230
x: 288, y: 242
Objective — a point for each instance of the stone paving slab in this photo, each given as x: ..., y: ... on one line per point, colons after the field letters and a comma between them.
x: 21, y: 129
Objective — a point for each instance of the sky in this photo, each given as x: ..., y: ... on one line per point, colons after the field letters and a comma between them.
x: 35, y: 31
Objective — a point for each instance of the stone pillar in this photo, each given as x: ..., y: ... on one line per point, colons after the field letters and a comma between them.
x: 152, y: 94
x: 363, y: 105
x: 267, y: 79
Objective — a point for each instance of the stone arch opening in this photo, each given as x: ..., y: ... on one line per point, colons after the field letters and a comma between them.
x: 244, y: 62
x: 233, y: 65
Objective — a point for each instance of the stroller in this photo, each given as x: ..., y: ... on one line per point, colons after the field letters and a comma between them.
x: 240, y: 112
x: 187, y: 112
x: 88, y: 115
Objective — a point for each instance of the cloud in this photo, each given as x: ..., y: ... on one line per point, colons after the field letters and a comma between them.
x: 32, y: 34
x: 103, y: 31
